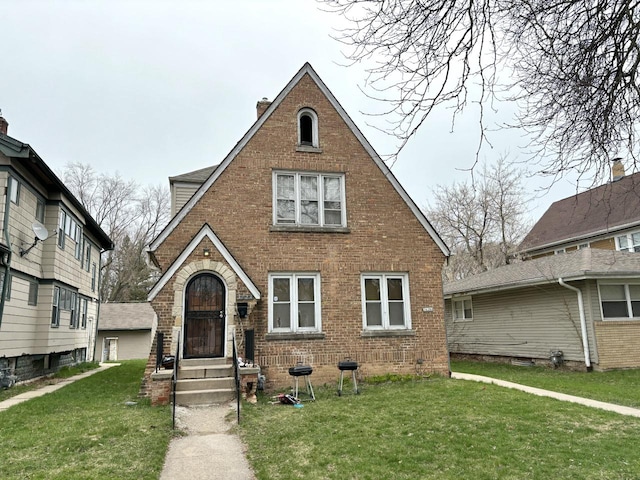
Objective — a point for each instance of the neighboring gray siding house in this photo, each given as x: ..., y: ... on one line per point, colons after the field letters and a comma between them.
x: 125, y: 331
x: 50, y: 251
x: 585, y: 303
x: 184, y: 186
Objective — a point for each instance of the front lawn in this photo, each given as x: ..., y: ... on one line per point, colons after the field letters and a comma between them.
x: 439, y: 429
x: 86, y: 431
x: 617, y: 386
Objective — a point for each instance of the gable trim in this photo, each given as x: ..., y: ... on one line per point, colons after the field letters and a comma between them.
x: 207, y: 232
x: 306, y: 69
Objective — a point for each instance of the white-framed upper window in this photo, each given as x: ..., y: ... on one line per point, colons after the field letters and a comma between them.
x: 462, y: 309
x: 308, y: 128
x: 560, y: 251
x: 309, y: 199
x: 629, y: 242
x: 14, y: 190
x: 619, y: 300
x: 385, y: 301
x: 294, y: 303
x: 584, y: 245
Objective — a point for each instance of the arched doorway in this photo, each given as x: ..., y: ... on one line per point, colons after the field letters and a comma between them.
x: 204, y: 317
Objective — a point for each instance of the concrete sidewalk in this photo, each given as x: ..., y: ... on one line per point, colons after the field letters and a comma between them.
x: 634, y: 412
x: 23, y: 397
x: 210, y: 449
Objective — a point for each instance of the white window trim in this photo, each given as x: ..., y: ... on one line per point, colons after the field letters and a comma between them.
x: 627, y: 295
x: 453, y: 309
x: 321, y: 176
x: 629, y: 237
x: 314, y: 127
x: 383, y: 276
x: 293, y: 278
x: 14, y: 190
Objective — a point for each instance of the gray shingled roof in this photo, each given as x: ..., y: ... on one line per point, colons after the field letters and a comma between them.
x: 126, y: 316
x: 576, y: 265
x: 600, y: 210
x: 197, y: 176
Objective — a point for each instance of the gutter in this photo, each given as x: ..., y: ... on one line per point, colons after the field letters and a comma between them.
x: 6, y: 263
x: 583, y: 324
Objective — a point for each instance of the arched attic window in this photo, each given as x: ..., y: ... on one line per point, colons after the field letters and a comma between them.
x: 308, y: 128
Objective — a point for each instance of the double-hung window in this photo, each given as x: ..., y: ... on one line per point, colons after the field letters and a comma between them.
x: 55, y: 310
x: 40, y: 210
x: 620, y: 300
x: 294, y: 302
x: 73, y: 307
x: 33, y: 293
x: 83, y: 312
x: 629, y: 242
x: 462, y: 309
x: 385, y: 301
x: 61, y: 227
x: 309, y: 199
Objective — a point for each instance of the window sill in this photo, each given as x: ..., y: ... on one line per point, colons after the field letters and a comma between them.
x: 308, y: 229
x: 387, y: 333
x: 294, y: 336
x: 308, y: 149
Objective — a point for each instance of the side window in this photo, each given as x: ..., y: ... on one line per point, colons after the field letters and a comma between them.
x: 14, y: 190
x: 308, y: 128
x: 462, y: 309
x: 40, y: 210
x: 61, y: 225
x: 33, y: 293
x: 87, y: 260
x: 93, y: 277
x: 55, y: 310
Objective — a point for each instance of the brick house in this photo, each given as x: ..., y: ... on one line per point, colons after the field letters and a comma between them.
x: 304, y: 225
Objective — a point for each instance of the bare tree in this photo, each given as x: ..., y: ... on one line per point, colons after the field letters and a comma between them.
x: 132, y: 216
x: 482, y: 222
x: 570, y: 65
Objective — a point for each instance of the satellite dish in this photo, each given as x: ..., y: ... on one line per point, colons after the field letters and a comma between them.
x: 41, y: 234
x: 40, y: 230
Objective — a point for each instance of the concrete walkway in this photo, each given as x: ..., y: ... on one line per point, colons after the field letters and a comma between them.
x: 634, y: 412
x: 23, y: 397
x: 210, y: 449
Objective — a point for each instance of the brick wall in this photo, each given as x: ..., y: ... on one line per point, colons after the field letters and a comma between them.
x: 384, y: 236
x: 618, y: 344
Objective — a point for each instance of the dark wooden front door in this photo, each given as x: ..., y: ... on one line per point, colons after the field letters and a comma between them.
x: 204, y: 317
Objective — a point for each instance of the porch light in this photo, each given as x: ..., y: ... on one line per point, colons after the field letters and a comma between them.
x: 206, y: 252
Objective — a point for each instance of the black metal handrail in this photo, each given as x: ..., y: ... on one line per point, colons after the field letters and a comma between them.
x: 236, y: 374
x: 174, y: 382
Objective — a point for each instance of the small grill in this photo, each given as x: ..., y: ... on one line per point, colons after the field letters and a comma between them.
x: 348, y: 366
x: 302, y: 371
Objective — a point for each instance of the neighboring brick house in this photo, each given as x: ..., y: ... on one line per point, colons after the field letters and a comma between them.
x: 125, y: 331
x: 606, y: 217
x: 50, y: 262
x: 304, y: 224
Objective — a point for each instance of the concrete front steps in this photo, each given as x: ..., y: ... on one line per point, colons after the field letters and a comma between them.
x: 204, y: 381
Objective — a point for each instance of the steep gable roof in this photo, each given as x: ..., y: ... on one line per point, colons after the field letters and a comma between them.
x: 577, y: 265
x: 609, y: 207
x: 207, y: 232
x: 126, y: 316
x: 305, y: 70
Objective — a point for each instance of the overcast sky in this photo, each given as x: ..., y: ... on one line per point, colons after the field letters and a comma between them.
x: 153, y: 89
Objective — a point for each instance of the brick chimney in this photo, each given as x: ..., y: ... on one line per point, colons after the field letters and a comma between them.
x: 4, y: 125
x: 617, y: 169
x: 262, y: 105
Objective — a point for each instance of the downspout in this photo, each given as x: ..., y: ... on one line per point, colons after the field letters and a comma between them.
x: 583, y: 323
x: 6, y: 263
